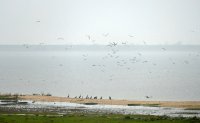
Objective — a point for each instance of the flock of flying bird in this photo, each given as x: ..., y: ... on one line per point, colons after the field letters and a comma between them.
x: 114, y: 49
x: 113, y: 54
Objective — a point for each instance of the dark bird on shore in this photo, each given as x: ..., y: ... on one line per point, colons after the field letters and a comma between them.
x: 148, y: 97
x: 101, y: 98
x: 79, y: 96
x: 68, y: 96
x: 109, y: 97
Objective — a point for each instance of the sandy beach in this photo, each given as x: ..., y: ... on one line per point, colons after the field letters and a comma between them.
x: 176, y: 104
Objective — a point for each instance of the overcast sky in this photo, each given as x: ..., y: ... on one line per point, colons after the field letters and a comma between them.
x: 70, y: 21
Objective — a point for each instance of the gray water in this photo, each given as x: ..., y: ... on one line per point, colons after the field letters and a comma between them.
x: 122, y: 72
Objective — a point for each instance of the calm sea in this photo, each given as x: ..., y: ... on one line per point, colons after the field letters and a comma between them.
x: 122, y: 72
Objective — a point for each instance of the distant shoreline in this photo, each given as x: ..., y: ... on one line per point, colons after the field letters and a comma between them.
x: 192, y: 105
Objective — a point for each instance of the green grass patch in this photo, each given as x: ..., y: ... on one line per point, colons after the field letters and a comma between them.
x: 94, y: 118
x: 134, y: 104
x: 7, y: 97
x: 90, y: 103
x: 192, y: 109
x: 149, y: 105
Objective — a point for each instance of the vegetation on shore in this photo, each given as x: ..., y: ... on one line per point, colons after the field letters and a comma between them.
x: 192, y: 109
x: 93, y: 118
x: 16, y: 116
x: 9, y: 97
x: 149, y: 105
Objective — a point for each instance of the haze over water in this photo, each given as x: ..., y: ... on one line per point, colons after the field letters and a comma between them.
x: 122, y: 72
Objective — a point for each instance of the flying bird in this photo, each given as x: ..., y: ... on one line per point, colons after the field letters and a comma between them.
x: 124, y: 43
x: 114, y: 44
x: 131, y: 36
x: 105, y: 35
x: 88, y: 36
x: 164, y: 49
x: 60, y: 38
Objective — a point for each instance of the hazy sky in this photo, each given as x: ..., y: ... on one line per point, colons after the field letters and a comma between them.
x: 70, y: 21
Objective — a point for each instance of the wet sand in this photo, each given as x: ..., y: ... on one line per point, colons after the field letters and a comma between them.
x: 176, y: 104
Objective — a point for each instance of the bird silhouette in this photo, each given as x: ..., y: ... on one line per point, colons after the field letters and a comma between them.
x: 131, y: 36
x: 105, y: 35
x: 88, y: 36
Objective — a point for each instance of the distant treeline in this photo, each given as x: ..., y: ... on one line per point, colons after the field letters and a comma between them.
x: 42, y: 94
x: 10, y: 95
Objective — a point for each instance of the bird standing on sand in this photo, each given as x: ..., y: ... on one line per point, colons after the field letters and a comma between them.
x: 148, y: 97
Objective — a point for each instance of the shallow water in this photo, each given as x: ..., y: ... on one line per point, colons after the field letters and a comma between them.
x: 65, y: 108
x: 122, y: 72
